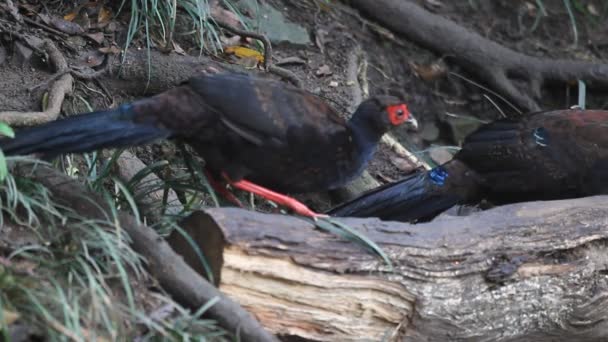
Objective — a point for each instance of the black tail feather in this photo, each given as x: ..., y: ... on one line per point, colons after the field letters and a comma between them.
x: 413, y: 198
x: 84, y: 133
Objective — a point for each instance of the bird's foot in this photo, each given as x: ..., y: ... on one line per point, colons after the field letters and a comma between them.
x: 280, y: 199
x: 300, y: 208
x: 221, y: 189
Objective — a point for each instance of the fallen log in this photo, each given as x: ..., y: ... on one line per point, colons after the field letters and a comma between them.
x: 526, y: 271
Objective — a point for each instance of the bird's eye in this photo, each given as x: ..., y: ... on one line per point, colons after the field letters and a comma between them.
x: 400, y: 112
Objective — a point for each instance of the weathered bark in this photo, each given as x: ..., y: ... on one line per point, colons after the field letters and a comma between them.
x: 530, y: 271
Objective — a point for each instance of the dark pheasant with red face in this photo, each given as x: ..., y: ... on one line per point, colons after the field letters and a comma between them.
x: 252, y: 133
x: 543, y: 156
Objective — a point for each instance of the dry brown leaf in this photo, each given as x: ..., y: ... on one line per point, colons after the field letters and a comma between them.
x: 114, y: 50
x: 593, y: 10
x: 10, y: 317
x: 66, y: 26
x: 97, y: 37
x: 231, y: 41
x: 178, y: 49
x: 429, y: 72
x: 247, y: 62
x: 228, y: 17
x: 30, y: 9
x: 90, y: 59
x: 104, y: 16
x: 70, y: 16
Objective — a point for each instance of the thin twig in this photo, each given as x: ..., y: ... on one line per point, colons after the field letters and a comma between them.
x: 248, y: 34
x: 22, y: 38
x: 45, y: 27
x: 288, y: 74
x: 105, y: 67
x: 486, y: 89
x: 495, y: 105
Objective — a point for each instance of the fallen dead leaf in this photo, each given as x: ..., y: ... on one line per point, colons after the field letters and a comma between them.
x: 178, y: 49
x: 10, y: 317
x: 97, y: 37
x: 90, y: 59
x: 231, y: 41
x: 593, y: 10
x: 114, y: 50
x: 228, y: 17
x: 104, y: 16
x: 66, y: 26
x: 70, y: 16
x: 248, y: 62
x: 244, y: 52
x: 30, y: 9
x: 429, y: 72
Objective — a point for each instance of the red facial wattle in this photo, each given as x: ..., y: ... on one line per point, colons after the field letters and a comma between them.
x: 398, y: 114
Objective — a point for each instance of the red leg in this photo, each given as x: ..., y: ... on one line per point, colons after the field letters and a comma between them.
x: 219, y: 188
x: 292, y: 203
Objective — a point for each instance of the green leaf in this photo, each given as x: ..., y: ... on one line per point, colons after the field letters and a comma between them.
x: 6, y: 130
x: 338, y: 228
x: 3, y: 167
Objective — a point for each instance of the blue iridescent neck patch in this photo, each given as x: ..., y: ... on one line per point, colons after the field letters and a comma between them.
x: 541, y: 137
x: 438, y: 175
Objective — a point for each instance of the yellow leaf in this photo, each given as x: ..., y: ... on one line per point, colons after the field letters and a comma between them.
x: 70, y: 16
x: 244, y: 52
x: 104, y: 15
x: 45, y: 101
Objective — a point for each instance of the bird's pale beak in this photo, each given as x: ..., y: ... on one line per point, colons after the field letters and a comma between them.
x: 411, y: 123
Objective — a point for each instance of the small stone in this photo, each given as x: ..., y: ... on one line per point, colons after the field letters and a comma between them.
x: 333, y: 84
x: 324, y: 70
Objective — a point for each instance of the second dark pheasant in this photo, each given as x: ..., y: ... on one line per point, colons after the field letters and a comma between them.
x: 541, y: 156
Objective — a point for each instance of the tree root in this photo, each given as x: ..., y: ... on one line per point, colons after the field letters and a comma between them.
x: 129, y: 166
x: 174, y: 275
x: 59, y: 89
x: 497, y: 65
